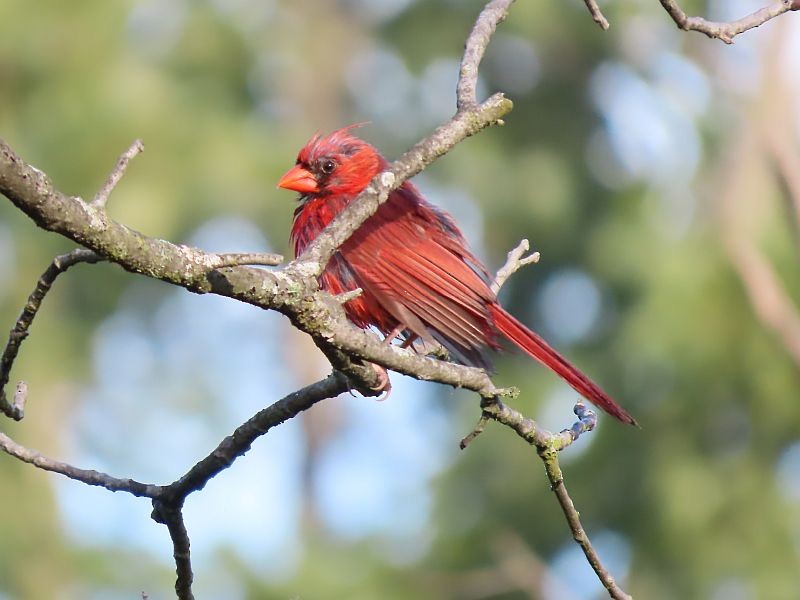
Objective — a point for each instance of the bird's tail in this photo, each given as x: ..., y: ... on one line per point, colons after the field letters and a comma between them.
x: 534, y: 345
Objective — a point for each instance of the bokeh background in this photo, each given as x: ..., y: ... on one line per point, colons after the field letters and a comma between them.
x: 652, y: 168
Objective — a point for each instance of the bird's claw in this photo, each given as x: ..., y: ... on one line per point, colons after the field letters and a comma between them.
x: 384, y: 384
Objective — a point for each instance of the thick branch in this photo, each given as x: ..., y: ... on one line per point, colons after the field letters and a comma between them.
x: 35, y: 195
x: 726, y: 31
x: 291, y: 290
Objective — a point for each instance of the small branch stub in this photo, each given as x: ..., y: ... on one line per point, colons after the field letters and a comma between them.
x: 101, y: 198
x: 515, y: 260
x: 597, y: 15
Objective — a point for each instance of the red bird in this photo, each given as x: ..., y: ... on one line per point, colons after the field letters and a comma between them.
x: 419, y: 278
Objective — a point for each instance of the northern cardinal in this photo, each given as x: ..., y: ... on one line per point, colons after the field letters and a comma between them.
x: 419, y: 278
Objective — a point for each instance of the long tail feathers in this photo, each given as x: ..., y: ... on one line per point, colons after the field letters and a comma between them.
x: 534, y: 345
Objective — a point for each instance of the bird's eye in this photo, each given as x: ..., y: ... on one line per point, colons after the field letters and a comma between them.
x: 327, y: 166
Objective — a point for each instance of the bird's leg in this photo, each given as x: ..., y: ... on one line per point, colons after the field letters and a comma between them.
x: 389, y: 338
x: 409, y: 341
x: 385, y: 385
x: 396, y: 332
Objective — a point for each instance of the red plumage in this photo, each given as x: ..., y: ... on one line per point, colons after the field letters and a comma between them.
x: 417, y: 274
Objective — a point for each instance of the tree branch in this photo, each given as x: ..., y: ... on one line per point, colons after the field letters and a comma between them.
x: 87, y: 476
x: 240, y: 441
x: 19, y: 332
x: 554, y: 474
x: 171, y: 515
x: 485, y: 25
x: 726, y: 31
x: 293, y: 291
x: 548, y: 445
x: 597, y: 15
x: 101, y: 198
x: 515, y: 260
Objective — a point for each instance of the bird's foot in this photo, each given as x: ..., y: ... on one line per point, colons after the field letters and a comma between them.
x: 384, y: 384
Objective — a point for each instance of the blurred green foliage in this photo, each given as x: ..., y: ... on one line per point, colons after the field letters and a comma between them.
x: 224, y: 93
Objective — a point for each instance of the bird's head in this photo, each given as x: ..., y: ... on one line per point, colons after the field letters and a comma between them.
x: 339, y: 163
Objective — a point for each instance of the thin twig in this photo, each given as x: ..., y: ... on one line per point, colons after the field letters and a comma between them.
x: 530, y: 431
x: 556, y: 477
x: 87, y: 476
x: 490, y: 17
x: 479, y: 428
x: 514, y: 262
x: 20, y: 330
x: 101, y: 198
x: 726, y: 31
x: 548, y: 446
x: 597, y: 15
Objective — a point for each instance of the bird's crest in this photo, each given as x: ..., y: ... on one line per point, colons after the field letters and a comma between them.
x: 340, y: 141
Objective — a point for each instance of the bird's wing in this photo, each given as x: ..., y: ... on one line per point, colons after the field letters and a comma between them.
x: 413, y: 262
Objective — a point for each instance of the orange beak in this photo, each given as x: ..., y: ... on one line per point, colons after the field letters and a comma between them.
x: 300, y: 180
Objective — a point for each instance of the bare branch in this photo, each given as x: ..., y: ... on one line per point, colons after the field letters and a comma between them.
x: 528, y: 430
x: 548, y: 446
x: 597, y: 15
x: 292, y: 290
x: 491, y: 16
x: 239, y: 442
x: 479, y: 428
x: 20, y: 330
x: 726, y: 31
x: 171, y: 515
x: 554, y: 474
x: 87, y: 476
x: 116, y: 174
x: 514, y: 262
